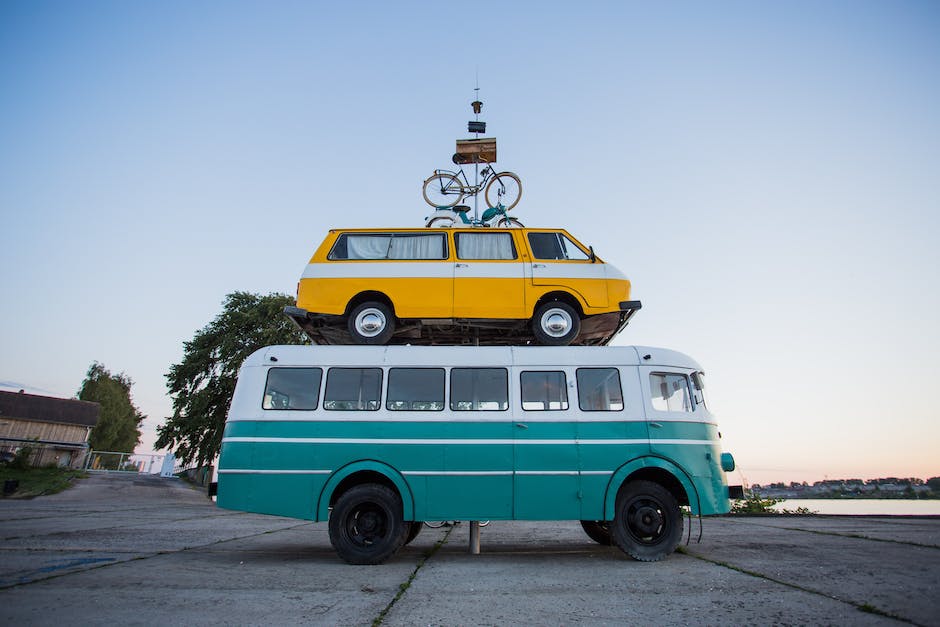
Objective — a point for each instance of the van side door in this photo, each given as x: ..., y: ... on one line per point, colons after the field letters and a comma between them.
x: 489, y: 278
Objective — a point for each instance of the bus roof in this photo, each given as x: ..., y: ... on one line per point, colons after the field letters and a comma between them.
x: 317, y: 355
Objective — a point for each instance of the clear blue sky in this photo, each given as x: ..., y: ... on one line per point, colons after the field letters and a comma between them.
x: 767, y: 174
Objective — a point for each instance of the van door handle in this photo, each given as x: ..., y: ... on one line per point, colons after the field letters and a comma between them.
x: 522, y: 426
x: 538, y: 265
x: 656, y: 425
x: 461, y: 265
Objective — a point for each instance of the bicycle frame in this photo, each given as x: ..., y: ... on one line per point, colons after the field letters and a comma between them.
x: 466, y: 188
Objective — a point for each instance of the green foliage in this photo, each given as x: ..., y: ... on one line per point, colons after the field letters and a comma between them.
x: 21, y: 459
x: 39, y: 481
x: 118, y: 427
x: 754, y: 503
x: 203, y: 383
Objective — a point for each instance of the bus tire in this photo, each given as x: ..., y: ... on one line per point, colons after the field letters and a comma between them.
x: 371, y: 322
x: 597, y: 530
x: 647, y: 523
x: 416, y: 527
x: 556, y: 323
x: 366, y: 524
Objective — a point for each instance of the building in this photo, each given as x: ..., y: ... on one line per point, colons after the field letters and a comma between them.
x: 57, y: 428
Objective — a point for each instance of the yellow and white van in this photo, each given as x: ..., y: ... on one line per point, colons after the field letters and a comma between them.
x: 460, y: 286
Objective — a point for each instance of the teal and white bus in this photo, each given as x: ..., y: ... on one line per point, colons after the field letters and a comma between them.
x: 377, y: 439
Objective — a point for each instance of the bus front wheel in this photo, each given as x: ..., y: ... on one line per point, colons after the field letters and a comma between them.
x: 366, y: 524
x: 647, y: 523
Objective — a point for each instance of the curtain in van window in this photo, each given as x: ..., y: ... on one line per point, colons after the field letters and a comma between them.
x: 417, y: 247
x: 367, y: 246
x: 485, y: 246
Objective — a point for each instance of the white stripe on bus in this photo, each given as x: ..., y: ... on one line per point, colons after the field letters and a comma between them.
x: 425, y: 473
x: 435, y: 441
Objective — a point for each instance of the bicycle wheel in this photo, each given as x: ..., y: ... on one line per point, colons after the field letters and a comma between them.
x: 440, y: 222
x: 505, y: 189
x: 442, y: 190
x: 508, y: 223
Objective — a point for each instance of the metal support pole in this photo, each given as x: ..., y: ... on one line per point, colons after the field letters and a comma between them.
x: 474, y: 537
x: 476, y: 182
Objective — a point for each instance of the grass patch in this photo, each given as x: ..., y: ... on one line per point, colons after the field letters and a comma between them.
x: 39, y: 481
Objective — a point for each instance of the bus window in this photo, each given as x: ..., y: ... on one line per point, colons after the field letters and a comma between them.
x: 544, y: 391
x: 292, y: 388
x: 670, y: 392
x: 599, y: 389
x: 698, y: 382
x: 415, y: 389
x: 479, y: 389
x: 352, y: 389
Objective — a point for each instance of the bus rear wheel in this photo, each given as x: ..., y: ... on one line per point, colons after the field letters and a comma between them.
x: 647, y: 522
x: 366, y: 524
x: 597, y: 530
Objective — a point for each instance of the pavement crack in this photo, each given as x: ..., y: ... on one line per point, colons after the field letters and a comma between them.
x: 862, y: 607
x: 403, y: 588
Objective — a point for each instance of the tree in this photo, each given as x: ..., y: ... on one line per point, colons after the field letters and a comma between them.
x: 118, y: 427
x: 203, y: 383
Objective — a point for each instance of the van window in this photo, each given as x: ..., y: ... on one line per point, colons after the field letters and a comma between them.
x: 479, y: 389
x: 485, y: 246
x: 599, y: 389
x: 670, y: 392
x: 555, y: 246
x: 544, y: 391
x: 352, y: 389
x: 415, y: 389
x: 292, y: 388
x: 389, y: 246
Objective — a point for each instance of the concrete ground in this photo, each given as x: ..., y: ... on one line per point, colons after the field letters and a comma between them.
x: 142, y: 550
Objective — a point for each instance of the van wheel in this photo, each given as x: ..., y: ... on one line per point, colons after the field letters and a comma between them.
x: 366, y: 525
x: 371, y: 322
x: 556, y: 324
x: 647, y: 522
x: 597, y: 530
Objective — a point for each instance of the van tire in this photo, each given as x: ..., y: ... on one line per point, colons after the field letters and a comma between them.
x: 366, y: 525
x: 647, y: 523
x: 556, y: 323
x: 597, y: 530
x: 371, y: 322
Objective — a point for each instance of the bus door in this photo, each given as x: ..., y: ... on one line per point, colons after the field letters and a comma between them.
x: 546, y: 482
x: 612, y: 430
x: 477, y: 480
x: 489, y: 276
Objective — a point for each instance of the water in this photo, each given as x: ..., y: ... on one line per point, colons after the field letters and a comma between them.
x: 858, y: 507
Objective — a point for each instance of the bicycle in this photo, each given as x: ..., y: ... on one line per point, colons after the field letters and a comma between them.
x: 493, y: 216
x: 437, y: 524
x: 445, y: 189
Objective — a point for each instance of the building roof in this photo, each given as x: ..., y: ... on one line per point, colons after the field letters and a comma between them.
x: 22, y: 406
